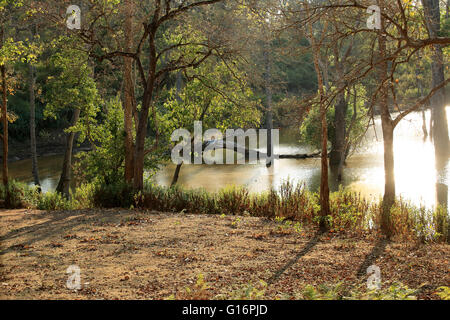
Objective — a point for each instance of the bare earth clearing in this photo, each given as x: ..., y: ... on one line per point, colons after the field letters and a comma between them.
x: 125, y: 254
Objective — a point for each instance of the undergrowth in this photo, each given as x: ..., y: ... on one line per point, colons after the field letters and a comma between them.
x: 350, y: 212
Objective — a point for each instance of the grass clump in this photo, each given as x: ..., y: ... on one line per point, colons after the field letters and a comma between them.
x: 292, y: 202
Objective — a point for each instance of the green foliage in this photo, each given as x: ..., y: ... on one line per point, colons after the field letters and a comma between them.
x: 343, y: 291
x: 444, y: 293
x: 53, y: 201
x: 20, y: 194
x: 311, y: 126
x: 396, y: 291
x: 223, y: 93
x: 249, y: 291
x: 104, y: 165
x: 198, y: 292
x: 322, y: 292
x: 113, y: 195
x: 290, y: 207
x: 73, y: 87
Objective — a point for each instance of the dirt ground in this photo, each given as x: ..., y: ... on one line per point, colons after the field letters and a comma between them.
x: 125, y: 254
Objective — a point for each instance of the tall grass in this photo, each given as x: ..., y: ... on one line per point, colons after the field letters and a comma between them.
x: 349, y: 210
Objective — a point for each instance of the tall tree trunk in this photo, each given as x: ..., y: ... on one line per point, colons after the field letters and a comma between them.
x: 147, y: 100
x: 141, y: 134
x: 179, y: 85
x: 388, y: 130
x: 338, y: 143
x: 438, y: 101
x: 340, y: 111
x: 5, y: 126
x: 64, y: 181
x: 424, y: 118
x: 128, y: 101
x: 324, y: 186
x: 34, y: 162
x: 4, y: 107
x: 269, y: 110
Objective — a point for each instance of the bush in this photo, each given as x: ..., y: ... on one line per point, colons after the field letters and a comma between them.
x: 20, y: 195
x: 113, y: 196
x: 53, y: 201
x: 349, y: 211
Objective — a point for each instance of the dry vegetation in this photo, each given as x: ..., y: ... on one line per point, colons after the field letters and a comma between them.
x: 125, y: 254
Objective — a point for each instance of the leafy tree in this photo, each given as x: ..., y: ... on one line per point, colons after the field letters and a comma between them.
x: 11, y: 51
x: 73, y: 88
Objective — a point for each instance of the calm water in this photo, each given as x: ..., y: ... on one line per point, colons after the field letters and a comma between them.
x: 416, y: 175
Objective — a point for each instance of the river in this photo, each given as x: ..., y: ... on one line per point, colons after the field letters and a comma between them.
x: 417, y: 178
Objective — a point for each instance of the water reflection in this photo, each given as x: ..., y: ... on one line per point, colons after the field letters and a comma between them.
x: 419, y: 177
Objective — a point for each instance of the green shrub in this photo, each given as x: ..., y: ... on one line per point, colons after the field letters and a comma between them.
x: 113, y: 196
x: 52, y: 201
x: 83, y: 196
x: 20, y: 195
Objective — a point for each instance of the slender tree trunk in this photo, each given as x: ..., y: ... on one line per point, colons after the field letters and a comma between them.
x: 388, y: 131
x: 179, y: 85
x: 34, y: 161
x: 64, y: 181
x: 5, y: 126
x: 128, y: 101
x: 269, y: 110
x: 338, y: 144
x: 424, y: 118
x: 139, y: 151
x: 438, y: 101
x: 340, y: 111
x: 324, y: 186
x: 176, y: 175
x: 4, y: 107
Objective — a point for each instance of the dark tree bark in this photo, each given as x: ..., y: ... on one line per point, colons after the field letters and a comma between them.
x: 179, y: 85
x: 269, y: 110
x: 438, y: 101
x: 64, y: 181
x: 324, y: 185
x: 4, y: 118
x: 338, y: 143
x: 129, y: 99
x: 34, y: 161
x: 5, y: 126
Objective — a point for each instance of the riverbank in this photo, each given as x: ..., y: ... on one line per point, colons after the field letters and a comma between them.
x: 133, y: 254
x: 21, y: 150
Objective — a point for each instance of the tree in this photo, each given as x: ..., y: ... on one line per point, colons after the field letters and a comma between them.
x: 392, y: 46
x: 74, y: 89
x: 129, y: 100
x: 387, y: 125
x: 438, y: 101
x: 216, y: 94
x: 11, y: 51
x: 31, y: 87
x: 324, y: 186
x: 151, y: 70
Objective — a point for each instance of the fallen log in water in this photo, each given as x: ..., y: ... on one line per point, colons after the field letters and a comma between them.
x: 300, y: 156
